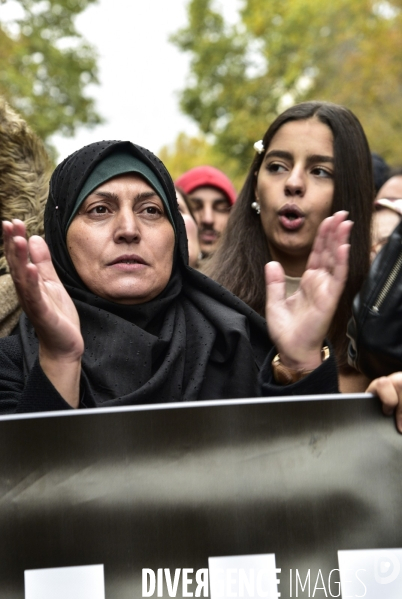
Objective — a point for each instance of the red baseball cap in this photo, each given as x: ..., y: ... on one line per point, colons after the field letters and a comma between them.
x: 206, y: 176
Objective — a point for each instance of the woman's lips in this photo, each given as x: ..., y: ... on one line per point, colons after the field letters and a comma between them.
x: 291, y: 217
x: 128, y: 263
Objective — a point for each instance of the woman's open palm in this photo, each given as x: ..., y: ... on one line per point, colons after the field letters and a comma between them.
x: 41, y: 294
x: 298, y: 324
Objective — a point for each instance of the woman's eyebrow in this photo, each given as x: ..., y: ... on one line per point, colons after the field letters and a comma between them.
x: 113, y: 196
x: 279, y: 154
x: 145, y: 194
x: 320, y: 158
x: 106, y: 194
x: 288, y: 156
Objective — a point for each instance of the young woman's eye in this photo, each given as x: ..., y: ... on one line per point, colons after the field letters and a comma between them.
x: 275, y: 167
x: 321, y: 172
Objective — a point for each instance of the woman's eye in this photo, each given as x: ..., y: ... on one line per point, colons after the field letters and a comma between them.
x: 152, y: 211
x: 275, y: 167
x: 321, y: 172
x: 98, y: 210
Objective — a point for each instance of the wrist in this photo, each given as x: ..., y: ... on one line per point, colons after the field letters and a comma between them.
x: 54, y: 356
x: 64, y: 373
x: 285, y: 375
x: 306, y: 361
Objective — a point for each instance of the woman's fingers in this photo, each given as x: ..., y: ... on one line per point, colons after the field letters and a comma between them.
x: 340, y: 272
x: 30, y: 266
x: 275, y: 281
x: 16, y: 252
x: 389, y: 391
x: 314, y: 260
x: 40, y: 256
x: 14, y: 228
x: 333, y: 232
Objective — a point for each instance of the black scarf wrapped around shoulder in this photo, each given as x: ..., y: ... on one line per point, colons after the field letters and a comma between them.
x: 194, y: 341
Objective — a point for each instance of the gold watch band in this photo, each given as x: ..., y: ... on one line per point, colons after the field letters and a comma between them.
x: 288, y: 376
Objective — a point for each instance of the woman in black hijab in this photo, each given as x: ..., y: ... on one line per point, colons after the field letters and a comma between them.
x: 137, y: 325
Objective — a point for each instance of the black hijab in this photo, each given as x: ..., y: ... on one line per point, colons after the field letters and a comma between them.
x: 194, y: 341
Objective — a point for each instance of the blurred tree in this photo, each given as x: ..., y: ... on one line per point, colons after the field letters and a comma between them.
x: 285, y: 51
x: 187, y: 152
x: 45, y: 65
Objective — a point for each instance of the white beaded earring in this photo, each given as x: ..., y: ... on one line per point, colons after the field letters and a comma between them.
x: 255, y: 206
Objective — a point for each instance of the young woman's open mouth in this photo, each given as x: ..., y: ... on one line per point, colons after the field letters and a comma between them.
x: 291, y: 217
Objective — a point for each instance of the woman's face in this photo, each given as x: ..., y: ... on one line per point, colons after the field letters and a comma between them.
x: 191, y: 230
x: 295, y: 188
x: 121, y: 241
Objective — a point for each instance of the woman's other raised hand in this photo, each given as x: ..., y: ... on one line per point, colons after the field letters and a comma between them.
x: 298, y: 324
x: 49, y: 308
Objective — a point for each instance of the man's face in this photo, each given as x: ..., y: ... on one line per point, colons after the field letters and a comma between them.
x: 211, y: 209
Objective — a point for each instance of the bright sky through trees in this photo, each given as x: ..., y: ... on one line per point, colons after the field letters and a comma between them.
x: 140, y: 72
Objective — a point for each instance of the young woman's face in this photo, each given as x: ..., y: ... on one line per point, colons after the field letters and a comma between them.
x: 295, y: 188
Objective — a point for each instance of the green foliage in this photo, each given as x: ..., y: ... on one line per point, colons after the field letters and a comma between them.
x: 285, y: 51
x: 45, y: 66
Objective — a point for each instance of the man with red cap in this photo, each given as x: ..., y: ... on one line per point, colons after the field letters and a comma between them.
x: 211, y: 195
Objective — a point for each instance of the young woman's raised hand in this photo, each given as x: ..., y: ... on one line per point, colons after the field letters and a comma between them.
x: 48, y: 306
x: 298, y: 324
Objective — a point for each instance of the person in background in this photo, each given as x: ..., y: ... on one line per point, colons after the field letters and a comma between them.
x: 24, y: 175
x: 381, y: 170
x: 190, y: 223
x: 388, y: 210
x: 212, y: 196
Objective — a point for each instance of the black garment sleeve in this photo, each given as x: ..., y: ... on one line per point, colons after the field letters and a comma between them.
x: 39, y: 395
x: 35, y: 394
x: 323, y: 379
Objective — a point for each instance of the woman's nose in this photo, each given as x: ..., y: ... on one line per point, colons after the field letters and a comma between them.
x: 295, y: 184
x: 127, y: 229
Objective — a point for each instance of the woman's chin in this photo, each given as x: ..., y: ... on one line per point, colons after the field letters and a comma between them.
x: 129, y: 295
x: 294, y: 245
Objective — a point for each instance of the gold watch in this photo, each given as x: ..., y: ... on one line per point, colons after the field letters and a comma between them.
x: 287, y: 376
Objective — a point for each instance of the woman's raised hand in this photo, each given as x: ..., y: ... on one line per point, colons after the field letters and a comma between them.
x: 49, y: 308
x: 298, y: 324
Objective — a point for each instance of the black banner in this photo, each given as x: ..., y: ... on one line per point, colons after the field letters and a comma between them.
x: 170, y: 488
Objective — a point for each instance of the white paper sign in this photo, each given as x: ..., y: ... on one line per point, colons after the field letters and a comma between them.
x: 77, y: 582
x: 371, y: 573
x: 244, y: 576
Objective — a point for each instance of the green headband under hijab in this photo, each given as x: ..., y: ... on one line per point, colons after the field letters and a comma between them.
x: 119, y: 163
